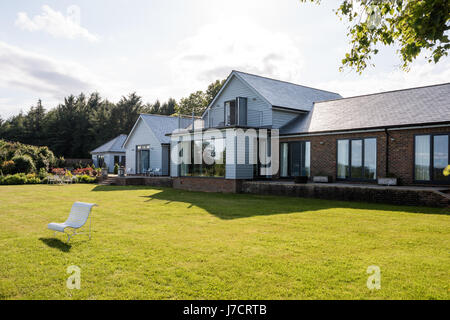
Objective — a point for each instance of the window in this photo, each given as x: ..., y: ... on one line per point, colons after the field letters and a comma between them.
x: 212, y: 164
x: 284, y: 160
x: 440, y: 157
x: 357, y: 159
x: 431, y: 157
x: 142, y: 158
x: 370, y: 159
x: 343, y: 162
x: 230, y: 113
x: 100, y: 161
x: 295, y: 159
x: 116, y: 160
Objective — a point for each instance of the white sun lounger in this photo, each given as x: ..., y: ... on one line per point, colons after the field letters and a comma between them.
x: 78, y: 216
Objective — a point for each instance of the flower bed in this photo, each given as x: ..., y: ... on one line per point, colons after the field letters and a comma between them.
x: 83, y: 175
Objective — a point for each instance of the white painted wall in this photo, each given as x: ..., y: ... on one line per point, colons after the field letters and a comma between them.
x: 108, y: 158
x: 142, y: 135
x: 259, y: 112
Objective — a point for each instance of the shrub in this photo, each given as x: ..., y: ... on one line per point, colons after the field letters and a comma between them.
x: 7, y: 167
x: 20, y: 178
x: 23, y: 164
x: 42, y: 156
x: 60, y: 162
x: 85, y: 179
x: 59, y: 171
x: 33, y: 180
x: 84, y: 171
x: 14, y: 179
x: 42, y: 173
x: 116, y: 168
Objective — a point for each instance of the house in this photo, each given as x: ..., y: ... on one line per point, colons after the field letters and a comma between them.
x: 402, y: 133
x: 110, y: 153
x: 147, y: 146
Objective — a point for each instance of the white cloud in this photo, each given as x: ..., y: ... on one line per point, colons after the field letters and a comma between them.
x: 56, y: 24
x: 43, y: 75
x: 421, y: 74
x: 218, y: 48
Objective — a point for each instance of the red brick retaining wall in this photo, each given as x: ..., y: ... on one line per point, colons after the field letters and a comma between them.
x: 391, y: 195
x: 207, y: 184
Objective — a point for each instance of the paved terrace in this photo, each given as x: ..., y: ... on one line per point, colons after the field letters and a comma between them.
x: 434, y: 196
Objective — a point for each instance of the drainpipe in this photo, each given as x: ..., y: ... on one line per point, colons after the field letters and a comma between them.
x: 387, y: 152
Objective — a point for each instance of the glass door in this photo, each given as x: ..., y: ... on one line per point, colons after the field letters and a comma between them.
x: 295, y: 159
x: 142, y: 159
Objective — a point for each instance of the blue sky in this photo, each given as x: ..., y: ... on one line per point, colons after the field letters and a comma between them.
x: 170, y: 48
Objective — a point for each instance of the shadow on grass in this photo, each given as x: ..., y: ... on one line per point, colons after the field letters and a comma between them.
x: 56, y: 243
x: 234, y: 206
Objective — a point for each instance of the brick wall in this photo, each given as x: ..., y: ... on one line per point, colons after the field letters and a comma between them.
x: 401, y: 151
x: 206, y: 184
x: 143, y: 181
x: 391, y: 195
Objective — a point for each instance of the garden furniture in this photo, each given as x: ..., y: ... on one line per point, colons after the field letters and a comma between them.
x: 79, y: 214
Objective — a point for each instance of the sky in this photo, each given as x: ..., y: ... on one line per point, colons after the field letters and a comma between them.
x: 170, y: 48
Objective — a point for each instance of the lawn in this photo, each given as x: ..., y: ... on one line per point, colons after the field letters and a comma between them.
x: 158, y: 243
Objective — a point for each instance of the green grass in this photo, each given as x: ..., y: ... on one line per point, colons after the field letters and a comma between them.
x: 151, y: 243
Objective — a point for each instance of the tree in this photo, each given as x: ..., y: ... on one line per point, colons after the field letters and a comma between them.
x: 126, y: 112
x: 196, y: 102
x: 213, y: 90
x: 413, y: 26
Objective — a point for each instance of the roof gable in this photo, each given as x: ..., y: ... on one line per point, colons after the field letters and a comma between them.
x: 158, y: 124
x: 285, y: 94
x: 114, y: 145
x: 279, y: 93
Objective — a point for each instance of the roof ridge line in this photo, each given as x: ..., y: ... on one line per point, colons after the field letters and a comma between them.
x: 383, y: 92
x: 288, y: 82
x: 170, y: 116
x: 111, y: 140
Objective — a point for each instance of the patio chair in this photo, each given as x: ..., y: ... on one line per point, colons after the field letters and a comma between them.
x: 50, y: 179
x: 157, y: 172
x: 79, y: 214
x: 67, y: 179
x: 57, y: 179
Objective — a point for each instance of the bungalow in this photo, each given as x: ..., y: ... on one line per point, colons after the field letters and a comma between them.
x: 110, y: 153
x: 402, y: 133
x: 147, y: 146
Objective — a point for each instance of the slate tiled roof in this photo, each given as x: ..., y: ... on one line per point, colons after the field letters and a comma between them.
x: 285, y: 94
x: 160, y: 125
x: 422, y: 105
x: 114, y: 145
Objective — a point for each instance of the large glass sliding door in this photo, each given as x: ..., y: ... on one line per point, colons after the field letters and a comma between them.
x: 212, y: 156
x: 343, y: 162
x: 431, y: 157
x: 357, y: 159
x: 142, y: 159
x: 440, y: 157
x: 295, y: 159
